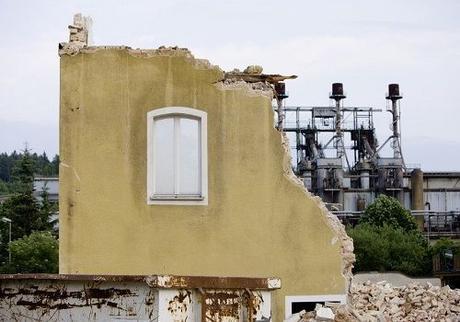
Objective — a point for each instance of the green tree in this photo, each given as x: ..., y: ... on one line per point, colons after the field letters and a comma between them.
x: 4, y: 188
x: 55, y: 165
x: 7, y: 163
x: 36, y: 253
x: 388, y: 211
x: 371, y: 251
x: 387, y: 239
x: 386, y: 248
x: 44, y: 166
x: 24, y: 211
x: 23, y: 173
x: 4, y: 167
x: 9, y: 166
x: 47, y: 209
x: 22, y: 207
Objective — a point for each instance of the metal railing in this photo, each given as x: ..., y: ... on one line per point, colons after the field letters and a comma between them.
x: 447, y: 262
x: 437, y: 224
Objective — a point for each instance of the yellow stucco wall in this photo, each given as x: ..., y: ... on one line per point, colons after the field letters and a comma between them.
x: 258, y: 223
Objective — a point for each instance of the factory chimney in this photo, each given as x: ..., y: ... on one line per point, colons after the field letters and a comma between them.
x: 338, y: 95
x: 280, y: 95
x: 395, y: 96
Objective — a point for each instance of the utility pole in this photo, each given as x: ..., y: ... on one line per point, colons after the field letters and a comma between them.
x: 8, y: 220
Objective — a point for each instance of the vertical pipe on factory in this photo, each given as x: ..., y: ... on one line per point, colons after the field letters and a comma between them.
x: 337, y: 95
x: 280, y: 93
x: 394, y: 95
x: 360, y: 204
x: 364, y: 178
x: 417, y: 200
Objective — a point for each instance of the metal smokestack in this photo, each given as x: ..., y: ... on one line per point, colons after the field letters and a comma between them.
x: 393, y: 91
x: 337, y: 94
x: 394, y: 95
x: 337, y: 91
x: 280, y: 90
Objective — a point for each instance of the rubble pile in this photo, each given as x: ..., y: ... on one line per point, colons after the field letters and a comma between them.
x: 382, y: 302
x: 414, y: 302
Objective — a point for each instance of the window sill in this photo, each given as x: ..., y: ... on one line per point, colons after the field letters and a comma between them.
x: 177, y: 200
x: 176, y: 197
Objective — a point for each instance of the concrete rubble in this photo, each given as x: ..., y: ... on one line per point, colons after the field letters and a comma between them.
x: 381, y: 302
x: 79, y: 35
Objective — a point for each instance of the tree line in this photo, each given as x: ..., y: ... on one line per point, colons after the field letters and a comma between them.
x: 28, y: 241
x: 40, y: 163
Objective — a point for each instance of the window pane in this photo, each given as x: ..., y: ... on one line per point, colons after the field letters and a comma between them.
x: 164, y: 156
x: 189, y: 157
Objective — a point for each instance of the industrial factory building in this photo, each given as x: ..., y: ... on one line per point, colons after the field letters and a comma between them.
x: 337, y: 156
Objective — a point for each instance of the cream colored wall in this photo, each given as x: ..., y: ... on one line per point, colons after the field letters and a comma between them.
x: 258, y: 223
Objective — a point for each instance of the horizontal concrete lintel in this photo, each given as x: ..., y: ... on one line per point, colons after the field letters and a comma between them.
x: 162, y: 281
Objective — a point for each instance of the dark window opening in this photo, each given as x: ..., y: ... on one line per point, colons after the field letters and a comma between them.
x: 297, y: 307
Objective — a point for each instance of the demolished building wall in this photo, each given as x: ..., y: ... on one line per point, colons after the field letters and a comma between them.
x: 258, y: 221
x: 166, y: 298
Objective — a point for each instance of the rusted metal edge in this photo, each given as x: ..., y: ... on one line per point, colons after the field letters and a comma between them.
x: 162, y: 281
x: 212, y: 282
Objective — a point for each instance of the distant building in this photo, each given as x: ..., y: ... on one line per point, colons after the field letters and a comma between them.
x: 50, y: 184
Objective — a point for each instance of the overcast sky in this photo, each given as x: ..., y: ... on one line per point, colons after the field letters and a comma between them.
x: 364, y: 44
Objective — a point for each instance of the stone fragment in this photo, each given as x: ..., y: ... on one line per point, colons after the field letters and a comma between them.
x: 254, y: 70
x: 324, y: 314
x: 295, y: 317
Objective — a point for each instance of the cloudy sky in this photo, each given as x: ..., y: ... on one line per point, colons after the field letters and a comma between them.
x: 364, y: 44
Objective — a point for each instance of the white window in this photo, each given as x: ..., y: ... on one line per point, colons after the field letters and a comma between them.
x: 177, y: 156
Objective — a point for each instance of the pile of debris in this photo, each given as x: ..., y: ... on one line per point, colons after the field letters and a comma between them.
x: 381, y: 302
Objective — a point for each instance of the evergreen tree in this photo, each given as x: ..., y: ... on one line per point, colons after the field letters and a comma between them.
x: 4, y: 167
x: 44, y: 166
x: 47, y: 209
x: 22, y: 207
x: 9, y: 166
x: 23, y: 173
x: 55, y: 165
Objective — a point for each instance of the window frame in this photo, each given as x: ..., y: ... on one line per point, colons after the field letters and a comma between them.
x: 186, y: 112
